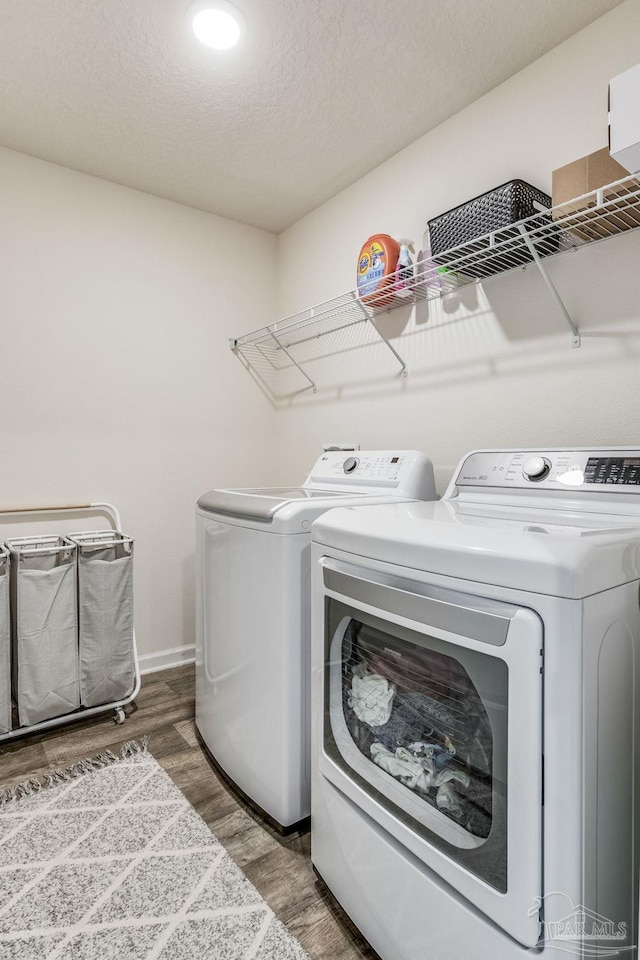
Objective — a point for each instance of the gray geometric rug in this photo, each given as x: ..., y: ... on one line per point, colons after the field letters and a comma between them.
x: 115, y: 864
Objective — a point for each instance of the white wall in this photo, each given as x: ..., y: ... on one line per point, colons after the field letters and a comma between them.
x: 116, y: 380
x: 116, y: 308
x: 505, y: 374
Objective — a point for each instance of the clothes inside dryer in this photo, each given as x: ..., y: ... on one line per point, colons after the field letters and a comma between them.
x: 437, y: 738
x: 410, y: 723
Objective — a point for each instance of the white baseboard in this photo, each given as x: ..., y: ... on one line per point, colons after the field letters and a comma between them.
x: 164, y: 659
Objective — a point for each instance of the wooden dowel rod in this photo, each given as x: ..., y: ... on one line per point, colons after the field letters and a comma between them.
x: 48, y: 509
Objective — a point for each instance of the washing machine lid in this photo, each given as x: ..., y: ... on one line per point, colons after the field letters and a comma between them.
x: 561, y: 553
x: 259, y: 503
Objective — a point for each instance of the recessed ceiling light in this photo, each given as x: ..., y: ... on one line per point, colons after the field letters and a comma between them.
x: 216, y: 23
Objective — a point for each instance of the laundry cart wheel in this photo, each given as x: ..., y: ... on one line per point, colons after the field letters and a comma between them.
x: 119, y: 715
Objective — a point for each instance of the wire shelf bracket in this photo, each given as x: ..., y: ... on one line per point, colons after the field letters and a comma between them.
x: 575, y: 339
x: 403, y: 367
x: 304, y: 373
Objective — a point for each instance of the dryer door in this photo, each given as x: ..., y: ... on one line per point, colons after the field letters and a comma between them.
x: 432, y: 723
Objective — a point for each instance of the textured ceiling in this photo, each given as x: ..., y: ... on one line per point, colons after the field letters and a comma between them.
x: 320, y: 92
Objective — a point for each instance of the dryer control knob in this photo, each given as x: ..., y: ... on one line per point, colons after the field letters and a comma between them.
x: 350, y: 464
x: 536, y: 468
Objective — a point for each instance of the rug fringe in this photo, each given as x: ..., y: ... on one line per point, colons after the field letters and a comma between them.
x: 26, y: 788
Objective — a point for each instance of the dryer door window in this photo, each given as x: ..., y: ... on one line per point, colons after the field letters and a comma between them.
x: 423, y: 725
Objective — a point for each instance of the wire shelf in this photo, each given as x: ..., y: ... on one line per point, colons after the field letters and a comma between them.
x: 280, y: 355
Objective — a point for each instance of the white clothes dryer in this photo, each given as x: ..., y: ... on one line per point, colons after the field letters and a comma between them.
x: 253, y: 570
x: 476, y: 690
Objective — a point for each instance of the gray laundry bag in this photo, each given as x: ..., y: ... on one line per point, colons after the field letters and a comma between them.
x: 5, y: 645
x: 105, y: 616
x: 44, y: 628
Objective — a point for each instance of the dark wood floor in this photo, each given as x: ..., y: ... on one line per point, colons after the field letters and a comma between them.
x: 279, y: 867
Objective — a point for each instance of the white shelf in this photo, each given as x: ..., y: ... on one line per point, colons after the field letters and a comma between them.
x: 274, y: 353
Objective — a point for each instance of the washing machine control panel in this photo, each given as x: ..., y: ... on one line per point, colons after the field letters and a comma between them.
x: 406, y: 473
x: 617, y: 469
x: 361, y: 467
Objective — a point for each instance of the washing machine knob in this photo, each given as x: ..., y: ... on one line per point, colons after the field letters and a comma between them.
x: 536, y: 468
x: 350, y: 464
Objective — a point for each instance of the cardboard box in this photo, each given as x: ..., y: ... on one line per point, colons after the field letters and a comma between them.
x: 584, y: 176
x: 624, y: 119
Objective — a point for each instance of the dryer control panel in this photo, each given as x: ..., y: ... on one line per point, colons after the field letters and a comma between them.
x: 586, y: 470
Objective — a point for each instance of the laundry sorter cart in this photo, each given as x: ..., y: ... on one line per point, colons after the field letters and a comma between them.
x: 77, y: 589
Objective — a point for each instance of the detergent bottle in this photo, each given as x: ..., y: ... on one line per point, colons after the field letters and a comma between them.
x: 405, y: 272
x: 377, y: 270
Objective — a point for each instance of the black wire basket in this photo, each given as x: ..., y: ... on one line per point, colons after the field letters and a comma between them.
x: 459, y: 237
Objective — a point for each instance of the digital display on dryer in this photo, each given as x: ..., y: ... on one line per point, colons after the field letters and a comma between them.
x: 624, y: 470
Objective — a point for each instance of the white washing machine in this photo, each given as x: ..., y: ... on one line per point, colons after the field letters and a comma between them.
x: 475, y: 768
x: 253, y: 618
